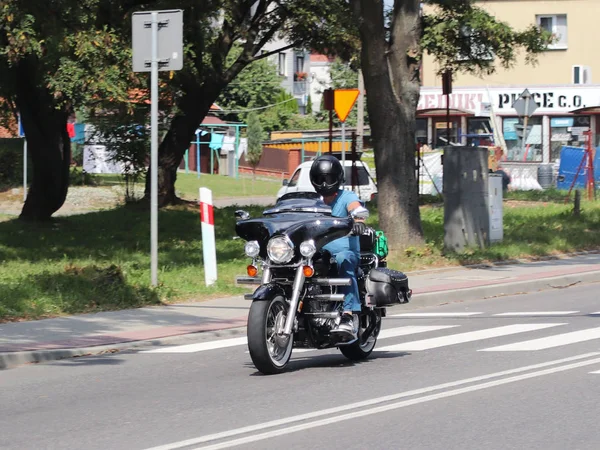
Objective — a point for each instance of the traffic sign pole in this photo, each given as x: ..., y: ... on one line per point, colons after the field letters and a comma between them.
x: 154, y: 153
x: 525, y: 123
x: 24, y: 169
x: 344, y: 146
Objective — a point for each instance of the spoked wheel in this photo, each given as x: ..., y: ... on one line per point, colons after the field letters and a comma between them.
x: 363, y: 347
x: 270, y: 351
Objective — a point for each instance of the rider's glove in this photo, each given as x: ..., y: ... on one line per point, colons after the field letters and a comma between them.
x: 358, y: 228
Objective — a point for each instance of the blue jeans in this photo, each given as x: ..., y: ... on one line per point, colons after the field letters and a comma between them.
x: 347, y: 263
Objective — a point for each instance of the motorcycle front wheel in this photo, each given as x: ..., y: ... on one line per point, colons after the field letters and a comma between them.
x: 362, y: 348
x: 269, y: 351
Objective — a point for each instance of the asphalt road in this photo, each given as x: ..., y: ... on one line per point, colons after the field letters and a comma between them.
x: 460, y: 376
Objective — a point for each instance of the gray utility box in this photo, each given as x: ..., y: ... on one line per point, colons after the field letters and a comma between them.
x: 466, y: 198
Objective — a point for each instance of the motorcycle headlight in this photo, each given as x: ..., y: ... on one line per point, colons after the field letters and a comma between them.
x: 308, y: 249
x: 280, y: 249
x: 252, y: 249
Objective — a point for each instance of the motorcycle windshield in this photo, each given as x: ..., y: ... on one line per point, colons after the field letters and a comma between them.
x: 299, y: 220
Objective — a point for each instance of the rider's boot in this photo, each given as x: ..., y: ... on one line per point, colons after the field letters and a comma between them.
x: 348, y: 326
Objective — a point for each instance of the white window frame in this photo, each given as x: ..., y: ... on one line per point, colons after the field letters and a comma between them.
x: 584, y: 71
x: 282, y: 64
x: 558, y: 30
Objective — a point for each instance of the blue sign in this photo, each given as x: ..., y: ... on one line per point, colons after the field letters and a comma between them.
x: 508, y: 125
x: 21, y: 131
x: 561, y: 122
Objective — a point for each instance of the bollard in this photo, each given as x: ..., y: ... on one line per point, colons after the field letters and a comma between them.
x: 209, y: 252
x: 577, y: 205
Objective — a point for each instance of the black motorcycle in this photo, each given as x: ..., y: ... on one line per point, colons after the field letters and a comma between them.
x: 297, y: 303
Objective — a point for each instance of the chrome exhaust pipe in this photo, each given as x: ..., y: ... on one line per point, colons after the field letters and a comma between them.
x: 327, y: 297
x: 323, y: 315
x: 331, y: 281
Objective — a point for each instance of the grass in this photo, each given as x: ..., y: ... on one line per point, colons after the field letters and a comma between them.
x: 187, y: 185
x: 100, y: 261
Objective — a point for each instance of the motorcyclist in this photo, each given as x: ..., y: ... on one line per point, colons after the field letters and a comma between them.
x: 327, y: 177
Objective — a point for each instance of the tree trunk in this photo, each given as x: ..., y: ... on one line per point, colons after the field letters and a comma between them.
x: 194, y: 107
x: 390, y: 70
x: 48, y: 144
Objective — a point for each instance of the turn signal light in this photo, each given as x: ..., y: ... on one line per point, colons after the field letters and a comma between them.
x: 252, y: 270
x: 308, y: 271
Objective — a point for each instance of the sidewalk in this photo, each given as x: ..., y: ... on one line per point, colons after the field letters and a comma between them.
x: 51, y: 339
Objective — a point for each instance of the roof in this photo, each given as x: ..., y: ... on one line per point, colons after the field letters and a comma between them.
x: 443, y: 112
x: 316, y: 57
x: 212, y: 120
x: 593, y: 110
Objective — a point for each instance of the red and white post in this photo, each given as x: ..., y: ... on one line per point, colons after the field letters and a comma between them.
x: 209, y: 251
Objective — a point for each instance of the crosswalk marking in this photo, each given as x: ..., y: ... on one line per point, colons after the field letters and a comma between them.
x: 201, y: 346
x: 556, y: 340
x: 469, y: 336
x: 454, y: 314
x: 536, y: 313
x: 393, y: 332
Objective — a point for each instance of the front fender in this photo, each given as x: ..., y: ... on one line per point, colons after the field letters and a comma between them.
x: 268, y: 292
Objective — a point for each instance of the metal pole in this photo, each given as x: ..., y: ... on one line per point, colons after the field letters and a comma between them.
x: 525, y: 124
x: 24, y: 169
x: 236, y: 149
x: 448, y: 119
x: 187, y: 162
x: 330, y: 130
x: 344, y: 145
x: 360, y: 123
x: 154, y: 154
x: 198, y: 153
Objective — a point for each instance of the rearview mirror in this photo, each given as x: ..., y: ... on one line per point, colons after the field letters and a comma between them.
x: 285, y: 182
x: 240, y: 214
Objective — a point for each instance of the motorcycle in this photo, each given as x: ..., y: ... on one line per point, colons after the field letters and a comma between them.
x: 297, y: 303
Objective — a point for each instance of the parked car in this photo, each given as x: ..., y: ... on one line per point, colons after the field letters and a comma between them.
x: 366, y: 189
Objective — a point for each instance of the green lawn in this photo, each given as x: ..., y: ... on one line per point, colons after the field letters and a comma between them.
x: 100, y: 261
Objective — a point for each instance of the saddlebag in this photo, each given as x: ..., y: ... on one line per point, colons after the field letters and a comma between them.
x: 386, y: 287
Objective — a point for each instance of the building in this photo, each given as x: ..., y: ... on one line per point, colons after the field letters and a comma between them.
x: 561, y: 84
x: 320, y: 78
x: 293, y: 66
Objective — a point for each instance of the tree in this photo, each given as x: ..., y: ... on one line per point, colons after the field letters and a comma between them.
x: 392, y: 45
x: 53, y: 56
x: 211, y: 31
x: 255, y: 138
x: 256, y: 87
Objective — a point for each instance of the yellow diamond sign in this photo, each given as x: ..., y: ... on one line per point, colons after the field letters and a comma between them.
x: 344, y: 100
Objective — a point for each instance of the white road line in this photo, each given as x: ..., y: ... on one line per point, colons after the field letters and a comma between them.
x: 387, y: 398
x: 392, y: 332
x: 597, y: 371
x: 200, y: 346
x: 469, y: 336
x: 556, y: 340
x: 537, y: 313
x: 448, y: 314
x: 595, y: 313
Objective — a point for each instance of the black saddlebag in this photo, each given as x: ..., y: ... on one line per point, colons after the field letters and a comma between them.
x: 386, y: 287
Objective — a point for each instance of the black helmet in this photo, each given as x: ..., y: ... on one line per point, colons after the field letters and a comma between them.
x: 326, y: 174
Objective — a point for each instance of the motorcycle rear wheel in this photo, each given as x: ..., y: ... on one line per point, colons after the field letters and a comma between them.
x: 362, y: 348
x: 270, y: 352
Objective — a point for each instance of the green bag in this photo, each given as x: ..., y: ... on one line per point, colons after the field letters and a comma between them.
x: 381, y: 247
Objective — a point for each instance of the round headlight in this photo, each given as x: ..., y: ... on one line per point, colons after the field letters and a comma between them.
x: 252, y: 249
x: 280, y: 250
x: 308, y: 249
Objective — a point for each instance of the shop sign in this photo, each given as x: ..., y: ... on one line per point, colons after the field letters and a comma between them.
x: 549, y: 100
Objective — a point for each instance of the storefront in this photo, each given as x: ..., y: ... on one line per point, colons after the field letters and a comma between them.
x: 563, y: 115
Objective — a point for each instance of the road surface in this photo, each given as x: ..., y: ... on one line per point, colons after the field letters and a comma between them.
x: 519, y: 372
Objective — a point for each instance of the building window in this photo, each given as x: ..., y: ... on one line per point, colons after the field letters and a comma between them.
x: 557, y: 25
x: 479, y: 132
x: 567, y: 131
x: 421, y: 132
x: 299, y: 63
x: 282, y: 66
x: 523, y: 145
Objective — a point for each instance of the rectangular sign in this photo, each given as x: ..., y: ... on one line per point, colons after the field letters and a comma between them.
x: 170, y: 40
x: 548, y: 99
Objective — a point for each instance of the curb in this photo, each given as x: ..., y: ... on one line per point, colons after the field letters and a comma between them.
x: 11, y: 360
x: 420, y: 300
x: 425, y: 299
